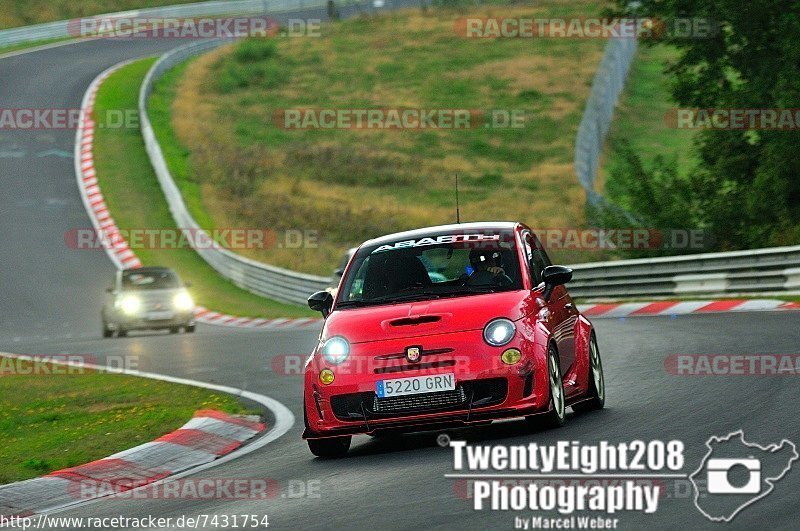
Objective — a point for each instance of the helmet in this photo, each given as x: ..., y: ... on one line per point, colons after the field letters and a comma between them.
x: 484, y: 256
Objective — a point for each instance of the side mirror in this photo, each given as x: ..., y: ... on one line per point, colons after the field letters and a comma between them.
x: 555, y: 275
x: 339, y: 272
x: 321, y: 301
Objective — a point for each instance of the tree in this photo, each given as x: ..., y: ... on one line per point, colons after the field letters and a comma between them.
x: 747, y: 183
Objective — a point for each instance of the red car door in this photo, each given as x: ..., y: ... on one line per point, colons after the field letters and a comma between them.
x: 563, y: 314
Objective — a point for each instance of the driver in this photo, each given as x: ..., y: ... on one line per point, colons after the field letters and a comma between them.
x: 487, y: 269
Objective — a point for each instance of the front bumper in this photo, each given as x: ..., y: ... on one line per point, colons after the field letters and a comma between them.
x: 486, y: 388
x: 143, y: 322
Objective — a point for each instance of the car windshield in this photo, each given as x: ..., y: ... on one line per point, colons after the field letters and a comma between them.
x: 135, y: 280
x: 431, y: 267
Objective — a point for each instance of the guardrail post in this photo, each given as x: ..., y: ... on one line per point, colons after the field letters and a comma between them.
x: 333, y: 13
x: 709, y: 283
x: 792, y: 278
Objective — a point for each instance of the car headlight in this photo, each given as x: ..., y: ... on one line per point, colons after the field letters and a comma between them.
x: 183, y: 302
x: 130, y: 304
x: 498, y: 332
x: 336, y: 350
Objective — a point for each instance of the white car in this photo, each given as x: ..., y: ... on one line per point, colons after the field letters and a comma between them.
x: 147, y: 298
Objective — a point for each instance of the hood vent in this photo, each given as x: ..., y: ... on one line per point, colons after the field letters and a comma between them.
x: 414, y: 321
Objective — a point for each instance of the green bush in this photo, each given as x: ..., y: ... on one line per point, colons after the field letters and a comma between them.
x: 253, y: 50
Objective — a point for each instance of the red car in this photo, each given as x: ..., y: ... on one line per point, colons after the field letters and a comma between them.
x: 448, y: 326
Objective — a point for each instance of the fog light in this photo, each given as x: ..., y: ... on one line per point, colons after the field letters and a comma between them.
x: 511, y: 356
x: 326, y: 376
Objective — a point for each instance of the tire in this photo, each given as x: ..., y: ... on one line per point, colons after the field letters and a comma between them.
x: 555, y: 417
x: 122, y: 332
x: 329, y: 448
x: 174, y: 329
x: 107, y: 332
x: 597, y: 382
x: 190, y: 329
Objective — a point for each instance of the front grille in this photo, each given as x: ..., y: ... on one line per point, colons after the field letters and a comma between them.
x: 422, y: 354
x: 424, y: 401
x: 471, y: 394
x: 415, y: 367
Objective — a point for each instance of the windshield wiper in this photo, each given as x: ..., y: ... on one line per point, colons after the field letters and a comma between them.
x: 425, y: 295
x: 474, y: 290
x: 351, y: 304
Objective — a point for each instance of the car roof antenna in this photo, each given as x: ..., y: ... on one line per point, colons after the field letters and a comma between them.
x: 458, y: 213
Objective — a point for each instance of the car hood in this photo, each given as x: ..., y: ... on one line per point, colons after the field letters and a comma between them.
x: 420, y: 318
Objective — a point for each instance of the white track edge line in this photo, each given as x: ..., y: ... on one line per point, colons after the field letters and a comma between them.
x: 284, y: 420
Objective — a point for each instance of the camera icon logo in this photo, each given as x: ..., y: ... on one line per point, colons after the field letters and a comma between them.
x: 719, y: 471
x: 735, y: 474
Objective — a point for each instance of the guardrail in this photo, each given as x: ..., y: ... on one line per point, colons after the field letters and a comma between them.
x: 269, y: 281
x: 607, y: 85
x: 64, y: 29
x: 763, y: 270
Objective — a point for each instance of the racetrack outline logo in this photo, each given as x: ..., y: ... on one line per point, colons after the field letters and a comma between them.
x: 725, y: 495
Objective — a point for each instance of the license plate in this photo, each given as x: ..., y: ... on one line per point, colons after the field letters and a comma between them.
x: 159, y: 316
x: 415, y: 385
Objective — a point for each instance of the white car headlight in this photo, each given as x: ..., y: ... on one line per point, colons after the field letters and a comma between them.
x: 130, y: 304
x: 336, y: 350
x: 183, y: 302
x: 498, y: 332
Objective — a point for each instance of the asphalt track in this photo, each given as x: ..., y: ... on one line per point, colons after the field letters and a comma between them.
x: 50, y: 298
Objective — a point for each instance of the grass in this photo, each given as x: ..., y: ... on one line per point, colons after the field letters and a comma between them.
x: 639, y: 117
x: 54, y: 421
x: 173, y: 151
x: 237, y: 168
x: 136, y: 201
